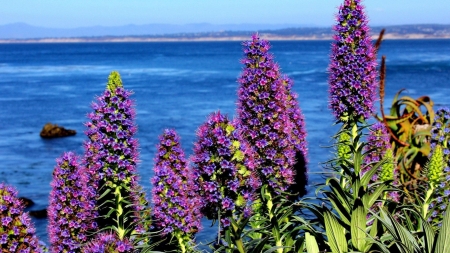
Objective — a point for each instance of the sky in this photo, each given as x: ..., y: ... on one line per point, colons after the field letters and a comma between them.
x: 81, y: 13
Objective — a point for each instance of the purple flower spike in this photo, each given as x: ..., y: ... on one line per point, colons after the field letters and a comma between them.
x: 67, y: 215
x: 353, y: 65
x: 108, y: 243
x: 440, y: 136
x: 264, y: 117
x: 176, y: 207
x: 111, y: 155
x: 225, y: 166
x: 17, y: 233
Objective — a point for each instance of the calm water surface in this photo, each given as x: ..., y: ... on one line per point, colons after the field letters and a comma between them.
x: 176, y: 85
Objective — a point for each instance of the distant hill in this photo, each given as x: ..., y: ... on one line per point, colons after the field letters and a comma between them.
x: 26, y: 31
x: 22, y: 33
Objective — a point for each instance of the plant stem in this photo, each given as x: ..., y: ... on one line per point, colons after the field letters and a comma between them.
x: 426, y: 201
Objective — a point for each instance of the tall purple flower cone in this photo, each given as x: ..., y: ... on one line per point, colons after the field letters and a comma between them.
x: 17, y: 233
x: 68, y: 218
x: 225, y: 167
x: 298, y: 139
x: 176, y: 206
x: 111, y: 155
x: 263, y: 115
x: 352, y: 68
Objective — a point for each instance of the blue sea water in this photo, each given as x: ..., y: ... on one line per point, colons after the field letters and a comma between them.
x: 176, y: 85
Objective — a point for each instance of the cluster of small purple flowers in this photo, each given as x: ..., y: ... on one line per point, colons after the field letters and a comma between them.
x: 108, y: 243
x: 263, y: 115
x: 17, y: 233
x: 298, y: 137
x: 67, y: 212
x: 353, y: 65
x: 440, y: 135
x: 379, y: 148
x: 111, y: 153
x: 224, y: 169
x: 176, y: 206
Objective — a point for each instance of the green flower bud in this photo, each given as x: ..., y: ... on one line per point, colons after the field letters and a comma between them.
x: 343, y: 149
x: 436, y: 166
x: 387, y: 169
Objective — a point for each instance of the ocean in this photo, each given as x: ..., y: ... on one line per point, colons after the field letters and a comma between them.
x: 176, y: 85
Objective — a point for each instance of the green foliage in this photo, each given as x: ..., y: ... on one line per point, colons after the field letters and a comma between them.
x: 424, y: 239
x: 350, y: 197
x: 409, y: 124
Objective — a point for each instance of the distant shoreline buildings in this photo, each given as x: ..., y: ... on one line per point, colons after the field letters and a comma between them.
x: 287, y: 34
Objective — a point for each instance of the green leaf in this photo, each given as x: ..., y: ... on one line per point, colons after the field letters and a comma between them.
x: 335, y: 233
x: 358, y: 226
x: 370, y: 199
x: 443, y: 240
x: 311, y: 243
x: 429, y: 236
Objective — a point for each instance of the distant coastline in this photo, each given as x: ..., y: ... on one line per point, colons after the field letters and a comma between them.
x: 406, y: 32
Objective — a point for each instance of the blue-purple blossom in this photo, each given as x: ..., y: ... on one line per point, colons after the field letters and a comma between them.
x: 379, y: 148
x: 68, y: 219
x: 108, y: 243
x: 111, y: 155
x: 227, y: 179
x: 439, y: 169
x: 17, y: 233
x: 176, y: 206
x: 352, y: 67
x: 265, y: 122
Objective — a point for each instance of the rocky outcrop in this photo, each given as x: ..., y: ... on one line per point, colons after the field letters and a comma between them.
x: 53, y: 131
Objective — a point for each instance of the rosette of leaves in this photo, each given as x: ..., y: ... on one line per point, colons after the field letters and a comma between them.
x: 68, y: 219
x: 176, y: 209
x: 409, y: 124
x: 298, y: 139
x: 225, y: 167
x: 108, y: 243
x: 17, y: 233
x: 111, y: 154
x: 352, y: 79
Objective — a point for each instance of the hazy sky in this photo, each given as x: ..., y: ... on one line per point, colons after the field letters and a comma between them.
x: 78, y: 13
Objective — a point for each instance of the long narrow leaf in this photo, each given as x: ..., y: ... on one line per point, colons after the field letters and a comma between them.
x: 358, y: 227
x: 443, y: 240
x: 335, y: 233
x: 311, y: 243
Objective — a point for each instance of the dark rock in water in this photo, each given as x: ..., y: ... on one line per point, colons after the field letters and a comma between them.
x: 53, y: 131
x: 40, y: 214
x: 26, y: 202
